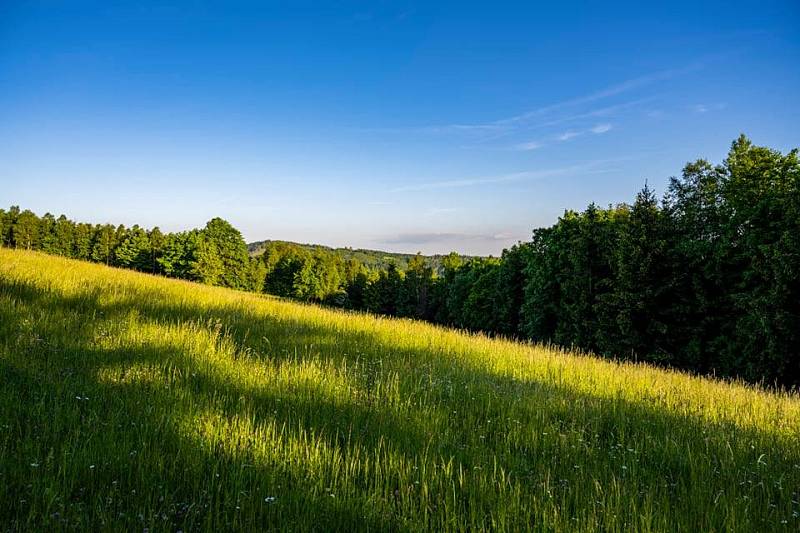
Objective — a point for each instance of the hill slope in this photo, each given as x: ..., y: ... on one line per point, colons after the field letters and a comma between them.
x: 129, y: 401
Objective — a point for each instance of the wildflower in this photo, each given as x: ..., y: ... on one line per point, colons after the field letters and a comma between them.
x: 269, y: 499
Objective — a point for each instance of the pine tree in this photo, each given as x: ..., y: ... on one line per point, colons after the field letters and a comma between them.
x: 511, y: 289
x: 157, y: 243
x: 642, y: 284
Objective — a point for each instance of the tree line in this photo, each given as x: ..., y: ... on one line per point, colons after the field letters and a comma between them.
x: 706, y: 278
x: 371, y: 259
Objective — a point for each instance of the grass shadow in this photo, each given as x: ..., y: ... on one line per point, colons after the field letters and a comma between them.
x: 551, y: 444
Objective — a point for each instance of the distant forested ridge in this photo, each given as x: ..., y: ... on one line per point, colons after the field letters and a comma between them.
x: 371, y: 259
x: 706, y: 278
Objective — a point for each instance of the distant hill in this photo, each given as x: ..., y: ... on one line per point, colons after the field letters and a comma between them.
x: 373, y: 259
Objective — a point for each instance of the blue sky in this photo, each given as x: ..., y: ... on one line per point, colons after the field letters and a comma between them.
x: 396, y: 125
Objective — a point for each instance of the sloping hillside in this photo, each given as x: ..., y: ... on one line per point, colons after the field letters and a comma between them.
x: 130, y: 401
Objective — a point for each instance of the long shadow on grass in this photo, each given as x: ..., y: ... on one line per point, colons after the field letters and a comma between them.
x: 134, y: 426
x: 592, y: 431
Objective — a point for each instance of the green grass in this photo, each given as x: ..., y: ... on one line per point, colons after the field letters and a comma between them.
x: 129, y: 402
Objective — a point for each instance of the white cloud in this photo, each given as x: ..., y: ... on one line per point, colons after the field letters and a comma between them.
x: 500, y: 128
x: 601, y: 128
x: 589, y: 168
x: 528, y: 146
x: 598, y: 129
x: 705, y: 108
x: 620, y: 88
x: 567, y: 135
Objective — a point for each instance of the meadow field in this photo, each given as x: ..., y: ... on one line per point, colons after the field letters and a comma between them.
x: 134, y: 402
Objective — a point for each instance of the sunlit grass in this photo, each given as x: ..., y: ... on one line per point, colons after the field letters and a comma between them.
x: 129, y: 401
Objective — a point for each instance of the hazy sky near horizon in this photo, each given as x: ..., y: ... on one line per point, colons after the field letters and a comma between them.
x: 405, y: 126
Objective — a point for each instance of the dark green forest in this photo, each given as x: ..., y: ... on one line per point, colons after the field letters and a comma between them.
x: 705, y: 278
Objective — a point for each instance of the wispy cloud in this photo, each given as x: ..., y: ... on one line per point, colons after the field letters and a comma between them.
x: 462, y: 128
x: 608, y: 92
x: 601, y: 112
x: 623, y: 87
x: 567, y: 135
x: 592, y: 167
x: 601, y: 128
x: 434, y: 238
x: 528, y: 146
x: 598, y: 129
x: 482, y: 133
x: 562, y: 137
x: 705, y: 108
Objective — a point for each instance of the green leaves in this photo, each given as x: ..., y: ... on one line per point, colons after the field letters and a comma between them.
x: 707, y: 280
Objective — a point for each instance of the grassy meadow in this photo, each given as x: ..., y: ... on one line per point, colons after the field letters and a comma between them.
x: 133, y: 402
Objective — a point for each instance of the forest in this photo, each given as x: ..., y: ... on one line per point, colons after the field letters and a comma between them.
x: 705, y: 278
x: 371, y: 259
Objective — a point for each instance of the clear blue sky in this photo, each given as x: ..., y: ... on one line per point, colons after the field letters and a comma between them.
x: 406, y: 126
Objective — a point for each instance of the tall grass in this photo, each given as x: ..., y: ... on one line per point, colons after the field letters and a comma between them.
x: 129, y: 401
